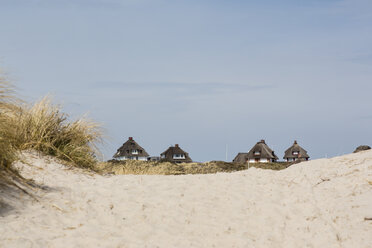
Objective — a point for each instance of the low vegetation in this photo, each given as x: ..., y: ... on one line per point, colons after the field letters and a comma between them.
x: 166, y: 168
x: 271, y: 166
x: 44, y: 127
x: 7, y: 150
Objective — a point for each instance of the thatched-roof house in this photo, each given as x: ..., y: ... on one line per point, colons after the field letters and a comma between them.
x: 175, y: 154
x: 261, y: 153
x: 241, y: 158
x: 296, y: 153
x: 130, y: 150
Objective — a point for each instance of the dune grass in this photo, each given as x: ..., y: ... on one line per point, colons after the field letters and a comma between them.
x: 9, y: 176
x: 271, y: 165
x: 45, y: 128
x: 7, y: 150
x: 165, y: 168
x: 134, y: 167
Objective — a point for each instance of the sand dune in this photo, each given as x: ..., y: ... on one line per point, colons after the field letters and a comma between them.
x: 321, y: 203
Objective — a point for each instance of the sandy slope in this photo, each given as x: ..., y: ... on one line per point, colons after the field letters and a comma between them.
x: 322, y: 203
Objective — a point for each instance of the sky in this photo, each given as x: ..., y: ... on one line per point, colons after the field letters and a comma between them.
x: 211, y: 76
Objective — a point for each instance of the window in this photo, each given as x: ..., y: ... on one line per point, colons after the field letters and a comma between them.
x: 135, y: 151
x: 178, y: 156
x: 295, y: 153
x: 257, y: 153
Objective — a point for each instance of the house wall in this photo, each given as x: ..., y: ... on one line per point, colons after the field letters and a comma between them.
x: 262, y: 160
x: 132, y: 158
x: 180, y: 156
x: 296, y: 159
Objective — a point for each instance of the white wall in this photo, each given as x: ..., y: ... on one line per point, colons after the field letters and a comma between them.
x: 179, y: 157
x: 262, y: 160
x: 133, y: 158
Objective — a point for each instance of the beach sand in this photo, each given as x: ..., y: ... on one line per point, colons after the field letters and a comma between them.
x: 320, y: 203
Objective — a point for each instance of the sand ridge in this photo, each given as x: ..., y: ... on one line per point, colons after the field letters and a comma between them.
x: 320, y: 203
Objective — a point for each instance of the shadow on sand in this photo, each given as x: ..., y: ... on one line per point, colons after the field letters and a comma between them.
x: 13, y: 196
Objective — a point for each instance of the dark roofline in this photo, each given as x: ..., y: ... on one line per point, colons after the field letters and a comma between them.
x: 302, y: 153
x: 264, y: 151
x: 128, y: 146
x: 175, y: 150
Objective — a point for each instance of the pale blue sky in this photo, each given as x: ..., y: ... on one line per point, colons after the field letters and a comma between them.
x: 202, y: 74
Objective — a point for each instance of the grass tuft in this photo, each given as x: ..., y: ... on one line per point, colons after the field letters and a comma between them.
x: 8, y: 152
x: 43, y: 127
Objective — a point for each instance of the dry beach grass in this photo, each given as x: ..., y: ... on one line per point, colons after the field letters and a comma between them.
x: 166, y: 168
x: 45, y: 128
x: 7, y: 132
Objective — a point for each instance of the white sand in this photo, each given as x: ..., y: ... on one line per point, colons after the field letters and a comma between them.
x: 321, y: 203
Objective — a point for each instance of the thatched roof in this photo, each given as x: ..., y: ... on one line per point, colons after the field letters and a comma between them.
x: 126, y: 150
x: 262, y: 151
x: 296, y: 148
x: 168, y: 154
x: 241, y: 158
x: 362, y: 148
